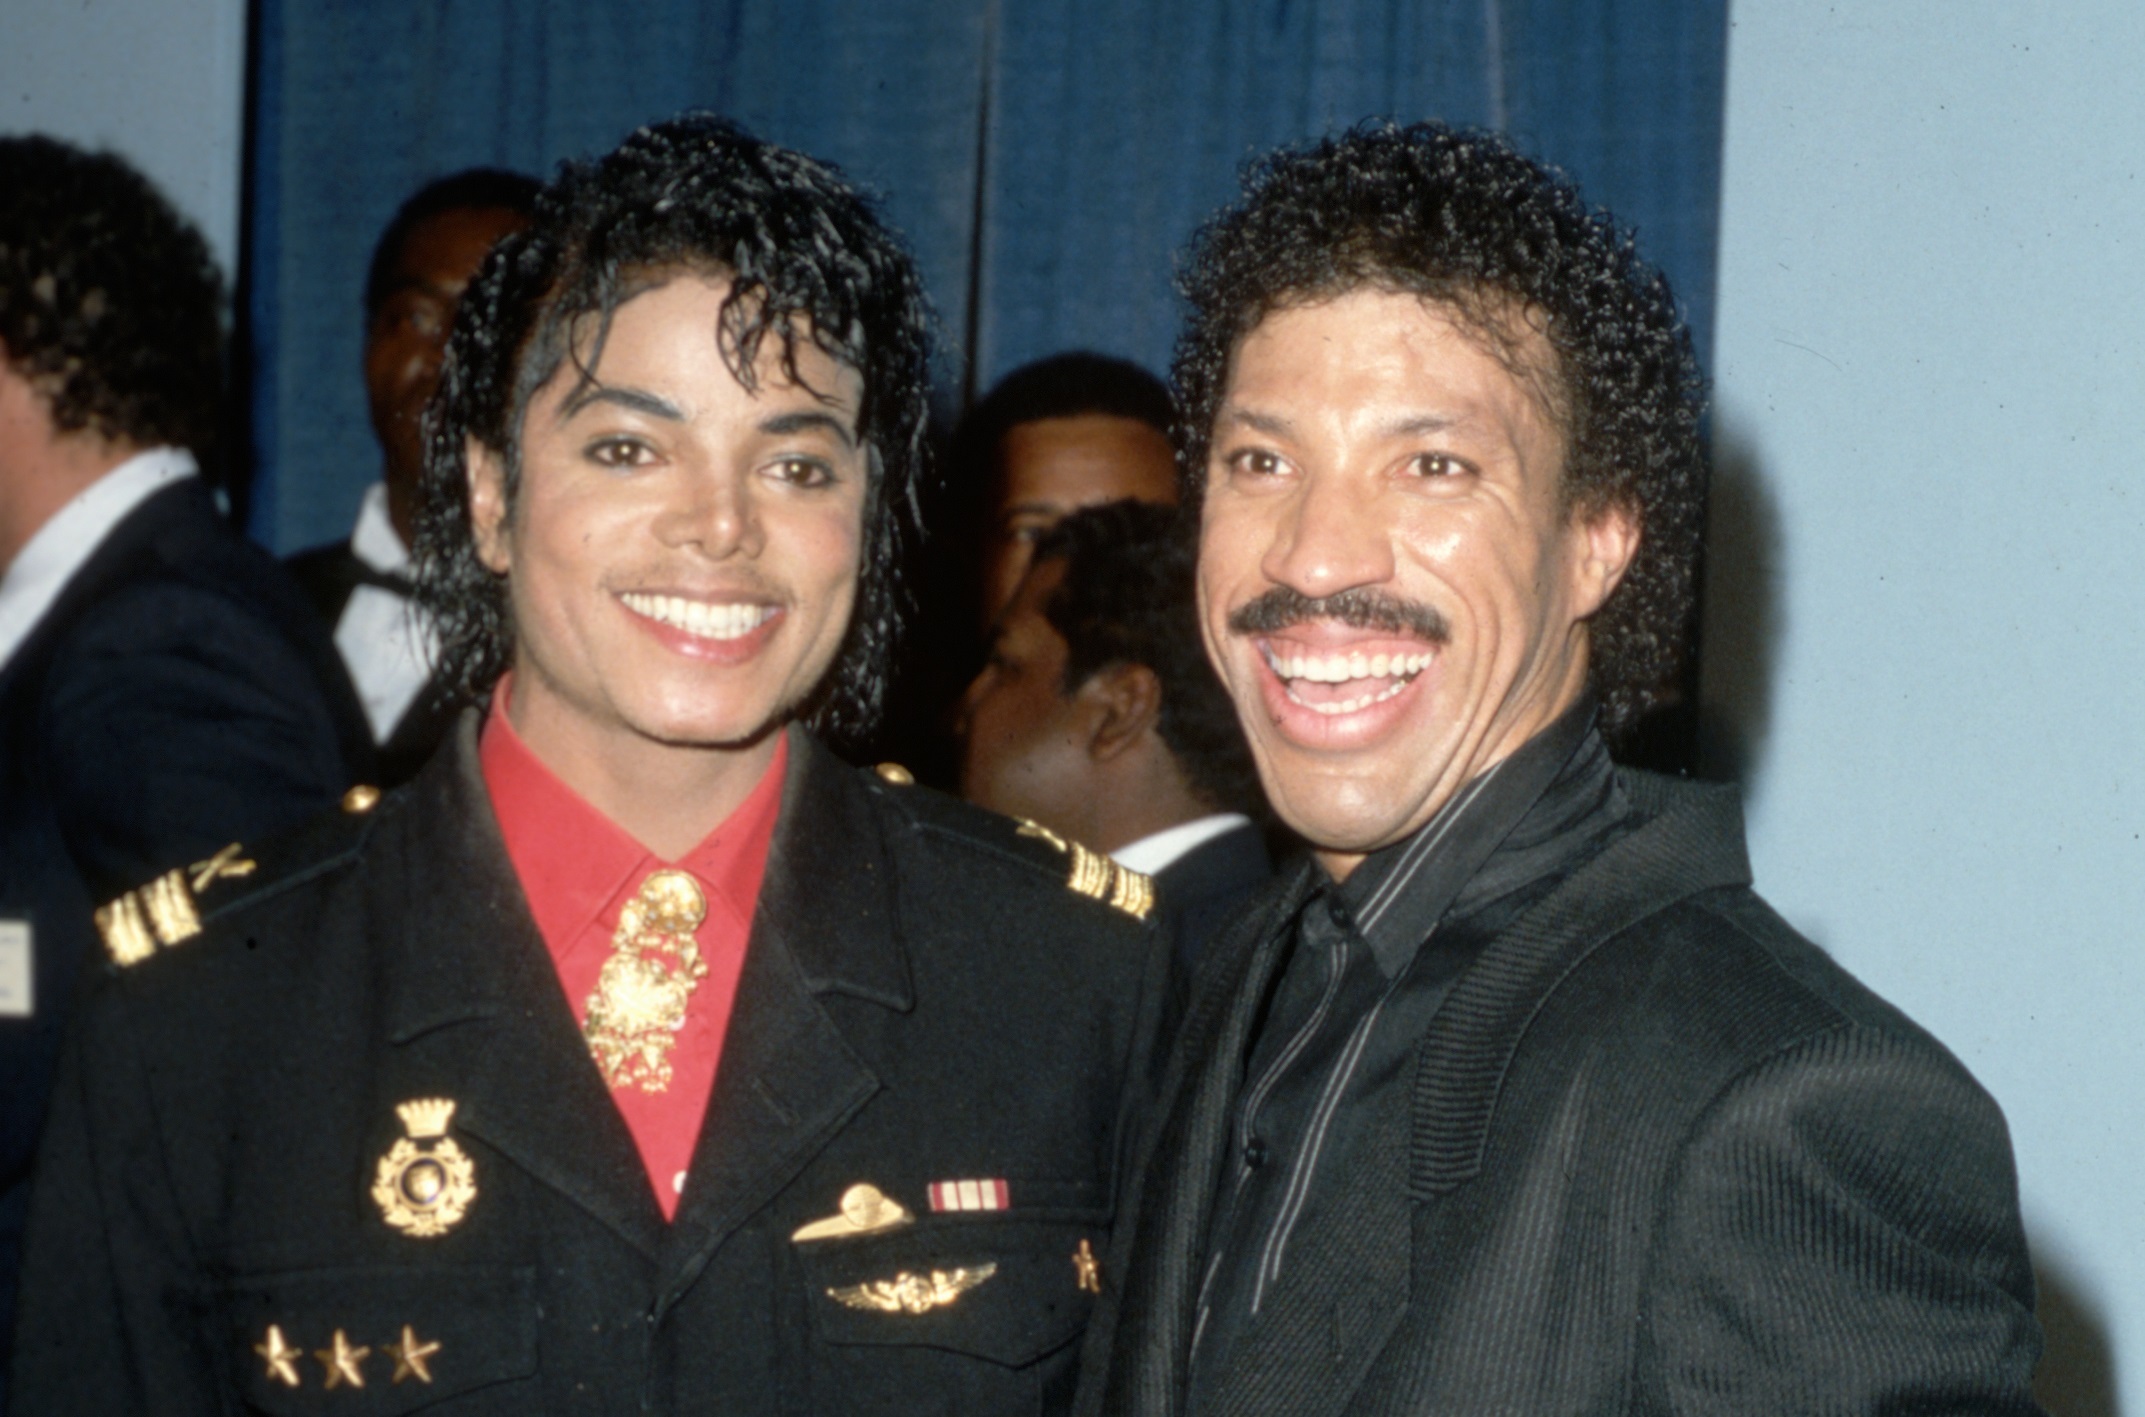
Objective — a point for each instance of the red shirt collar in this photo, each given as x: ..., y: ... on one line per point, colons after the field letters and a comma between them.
x: 573, y: 861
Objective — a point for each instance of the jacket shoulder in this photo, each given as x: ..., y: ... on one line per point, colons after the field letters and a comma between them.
x: 180, y: 904
x: 947, y: 825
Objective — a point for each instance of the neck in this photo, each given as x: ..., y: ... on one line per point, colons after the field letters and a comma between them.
x: 1146, y: 797
x: 666, y: 796
x: 42, y: 470
x: 37, y: 485
x: 402, y: 507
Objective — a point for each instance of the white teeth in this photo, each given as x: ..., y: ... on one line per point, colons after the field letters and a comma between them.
x: 1334, y: 710
x: 1340, y: 668
x: 697, y: 617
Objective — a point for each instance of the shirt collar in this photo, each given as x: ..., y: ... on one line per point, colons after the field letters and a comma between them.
x: 1159, y: 850
x: 1396, y: 895
x: 41, y: 570
x: 373, y: 540
x: 573, y: 861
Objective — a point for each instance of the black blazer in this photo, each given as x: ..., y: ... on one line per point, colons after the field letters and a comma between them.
x: 176, y: 696
x: 1661, y: 1155
x: 923, y: 1000
x: 329, y: 575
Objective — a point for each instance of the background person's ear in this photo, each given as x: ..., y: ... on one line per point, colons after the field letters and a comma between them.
x: 1118, y: 704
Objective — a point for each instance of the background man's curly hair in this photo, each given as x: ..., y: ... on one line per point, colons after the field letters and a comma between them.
x: 1128, y: 598
x: 808, y: 258
x: 1460, y: 218
x: 110, y: 305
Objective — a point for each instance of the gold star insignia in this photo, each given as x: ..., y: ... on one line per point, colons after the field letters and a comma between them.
x: 277, y: 1352
x: 1087, y: 1270
x: 410, y: 1355
x: 341, y: 1362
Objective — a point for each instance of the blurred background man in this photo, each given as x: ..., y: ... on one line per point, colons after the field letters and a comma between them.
x: 1073, y: 430
x: 361, y: 585
x: 1097, y: 716
x: 163, y: 688
x: 1066, y: 432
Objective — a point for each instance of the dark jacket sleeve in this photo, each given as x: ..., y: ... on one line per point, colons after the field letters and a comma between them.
x: 181, y: 720
x: 1842, y: 1236
x: 106, y: 1321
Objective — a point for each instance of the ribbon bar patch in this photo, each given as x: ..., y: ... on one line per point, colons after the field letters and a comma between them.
x: 970, y: 1195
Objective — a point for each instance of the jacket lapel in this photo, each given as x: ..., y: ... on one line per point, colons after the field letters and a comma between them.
x: 789, y: 1081
x: 1689, y: 838
x: 472, y: 994
x: 1179, y: 1168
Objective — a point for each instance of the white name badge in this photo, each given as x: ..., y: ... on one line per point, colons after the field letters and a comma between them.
x: 16, y: 1000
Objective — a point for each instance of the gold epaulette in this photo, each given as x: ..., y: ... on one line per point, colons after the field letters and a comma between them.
x: 165, y: 912
x: 1097, y: 876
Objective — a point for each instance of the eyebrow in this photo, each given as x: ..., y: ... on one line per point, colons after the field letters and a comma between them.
x: 1270, y: 424
x: 1275, y: 426
x: 637, y: 400
x: 782, y: 425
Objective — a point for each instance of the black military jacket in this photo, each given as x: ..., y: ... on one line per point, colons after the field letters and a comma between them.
x: 923, y: 1000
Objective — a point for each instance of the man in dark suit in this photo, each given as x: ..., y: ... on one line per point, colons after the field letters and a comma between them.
x: 361, y: 584
x: 1097, y: 716
x: 162, y: 686
x: 1514, y: 1098
x: 639, y: 1056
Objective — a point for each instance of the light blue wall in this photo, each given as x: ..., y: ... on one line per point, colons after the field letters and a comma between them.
x: 158, y: 81
x: 1931, y: 394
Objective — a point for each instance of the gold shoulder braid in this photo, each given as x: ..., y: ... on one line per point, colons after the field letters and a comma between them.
x: 639, y: 1003
x: 164, y: 912
x: 1097, y: 876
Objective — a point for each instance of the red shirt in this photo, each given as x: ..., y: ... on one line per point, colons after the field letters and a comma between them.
x: 579, y: 868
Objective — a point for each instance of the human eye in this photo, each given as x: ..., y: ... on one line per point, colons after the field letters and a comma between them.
x: 1438, y: 465
x: 614, y: 450
x: 1255, y: 463
x: 802, y: 471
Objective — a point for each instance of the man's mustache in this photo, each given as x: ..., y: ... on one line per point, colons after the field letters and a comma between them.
x: 1282, y: 607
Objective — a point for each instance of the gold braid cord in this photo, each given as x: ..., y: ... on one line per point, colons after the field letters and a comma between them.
x: 639, y: 1003
x: 1098, y: 877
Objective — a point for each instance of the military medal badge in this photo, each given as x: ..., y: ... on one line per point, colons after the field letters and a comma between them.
x: 425, y: 1183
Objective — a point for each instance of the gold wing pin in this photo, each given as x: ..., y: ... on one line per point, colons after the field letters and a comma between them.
x: 864, y: 1210
x: 1098, y: 877
x: 908, y: 1293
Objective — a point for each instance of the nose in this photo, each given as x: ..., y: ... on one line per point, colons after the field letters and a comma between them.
x: 712, y: 512
x: 1329, y: 537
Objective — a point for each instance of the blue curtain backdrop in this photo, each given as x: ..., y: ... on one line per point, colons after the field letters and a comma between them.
x: 1044, y: 157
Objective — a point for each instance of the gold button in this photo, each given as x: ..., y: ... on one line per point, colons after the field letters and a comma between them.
x: 896, y: 774
x: 361, y: 799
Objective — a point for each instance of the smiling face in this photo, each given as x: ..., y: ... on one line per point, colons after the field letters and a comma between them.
x: 1389, y: 581
x: 681, y: 555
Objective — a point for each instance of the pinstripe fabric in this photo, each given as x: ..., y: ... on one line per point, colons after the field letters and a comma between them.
x: 1660, y: 1155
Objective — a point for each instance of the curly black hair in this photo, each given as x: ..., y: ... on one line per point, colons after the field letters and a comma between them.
x: 807, y: 257
x: 480, y: 189
x: 1460, y: 218
x: 1128, y: 597
x: 110, y: 304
